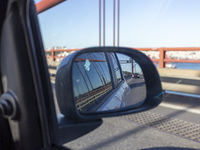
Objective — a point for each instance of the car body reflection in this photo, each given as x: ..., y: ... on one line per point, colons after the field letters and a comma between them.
x: 118, y: 99
x: 91, y: 81
x: 100, y: 84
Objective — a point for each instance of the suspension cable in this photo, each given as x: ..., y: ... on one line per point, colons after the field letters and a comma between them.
x: 113, y: 23
x: 104, y: 23
x: 99, y: 23
x: 118, y: 23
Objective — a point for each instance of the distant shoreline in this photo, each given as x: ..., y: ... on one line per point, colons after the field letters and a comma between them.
x: 190, y: 66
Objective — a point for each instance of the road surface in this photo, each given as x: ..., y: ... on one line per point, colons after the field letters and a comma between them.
x: 161, y: 128
x: 137, y: 91
x: 174, y: 125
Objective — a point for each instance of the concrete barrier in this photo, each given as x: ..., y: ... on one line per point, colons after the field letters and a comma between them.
x: 180, y: 80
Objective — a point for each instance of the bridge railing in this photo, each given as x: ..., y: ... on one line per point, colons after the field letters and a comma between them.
x: 162, y: 59
x: 54, y: 54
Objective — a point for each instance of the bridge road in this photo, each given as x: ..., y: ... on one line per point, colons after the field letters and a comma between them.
x: 165, y: 127
x: 137, y: 90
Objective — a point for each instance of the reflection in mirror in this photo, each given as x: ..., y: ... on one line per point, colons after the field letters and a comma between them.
x: 91, y: 81
x: 134, y: 78
x: 100, y: 85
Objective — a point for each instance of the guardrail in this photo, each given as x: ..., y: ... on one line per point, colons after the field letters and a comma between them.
x: 162, y: 60
x: 53, y: 54
x: 180, y: 80
x: 163, y: 57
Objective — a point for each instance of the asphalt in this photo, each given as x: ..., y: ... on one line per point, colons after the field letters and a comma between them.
x: 166, y: 127
x: 137, y: 90
x: 123, y: 133
x: 183, y: 108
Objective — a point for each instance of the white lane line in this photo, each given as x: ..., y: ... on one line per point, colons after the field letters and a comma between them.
x: 195, y: 111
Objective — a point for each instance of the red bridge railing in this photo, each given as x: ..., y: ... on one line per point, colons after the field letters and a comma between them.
x: 162, y: 60
x: 162, y: 55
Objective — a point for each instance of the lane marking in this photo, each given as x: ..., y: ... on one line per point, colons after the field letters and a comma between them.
x: 195, y: 111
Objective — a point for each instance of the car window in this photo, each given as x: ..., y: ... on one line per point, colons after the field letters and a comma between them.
x: 91, y: 80
x: 116, y: 67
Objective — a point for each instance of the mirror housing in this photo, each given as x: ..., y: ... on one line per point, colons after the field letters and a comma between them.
x: 64, y: 85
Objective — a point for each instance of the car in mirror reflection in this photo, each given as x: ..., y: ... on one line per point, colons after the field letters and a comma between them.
x: 136, y: 75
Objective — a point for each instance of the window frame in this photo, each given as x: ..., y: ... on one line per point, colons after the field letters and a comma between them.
x: 114, y: 75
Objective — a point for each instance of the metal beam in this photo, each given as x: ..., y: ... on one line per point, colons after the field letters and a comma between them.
x: 44, y: 5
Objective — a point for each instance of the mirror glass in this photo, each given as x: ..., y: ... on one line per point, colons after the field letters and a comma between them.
x: 107, y: 81
x: 134, y: 77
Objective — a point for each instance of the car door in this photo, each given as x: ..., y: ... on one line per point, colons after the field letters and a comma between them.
x: 24, y: 77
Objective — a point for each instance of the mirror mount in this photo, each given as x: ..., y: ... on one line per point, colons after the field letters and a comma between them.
x: 69, y: 130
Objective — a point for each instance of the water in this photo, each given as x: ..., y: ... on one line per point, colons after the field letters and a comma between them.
x: 191, y: 66
x: 188, y: 66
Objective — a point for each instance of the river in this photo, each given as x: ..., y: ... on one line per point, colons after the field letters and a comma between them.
x: 192, y: 66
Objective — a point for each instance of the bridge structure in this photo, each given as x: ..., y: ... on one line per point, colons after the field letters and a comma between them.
x: 162, y: 60
x: 178, y: 80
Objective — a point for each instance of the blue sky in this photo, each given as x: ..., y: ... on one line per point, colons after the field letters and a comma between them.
x: 143, y: 23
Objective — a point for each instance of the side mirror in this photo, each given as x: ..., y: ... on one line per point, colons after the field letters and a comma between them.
x: 106, y: 81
